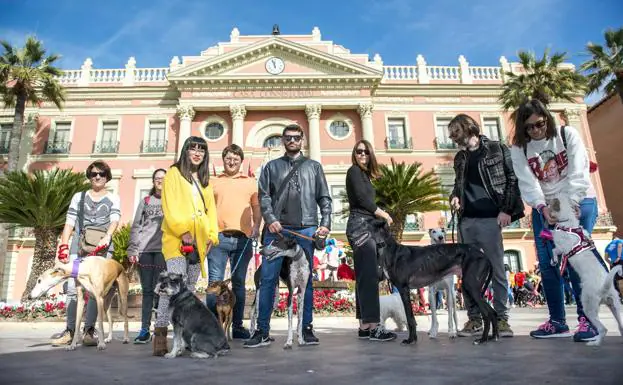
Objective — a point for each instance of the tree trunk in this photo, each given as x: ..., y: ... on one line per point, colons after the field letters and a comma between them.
x: 398, y: 227
x: 43, y: 258
x: 16, y: 132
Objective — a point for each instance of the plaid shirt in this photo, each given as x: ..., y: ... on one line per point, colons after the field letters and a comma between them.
x: 499, y: 179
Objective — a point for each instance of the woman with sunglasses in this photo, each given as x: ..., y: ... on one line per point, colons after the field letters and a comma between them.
x: 189, y: 227
x: 100, y: 209
x: 145, y: 248
x: 546, y: 165
x: 363, y: 210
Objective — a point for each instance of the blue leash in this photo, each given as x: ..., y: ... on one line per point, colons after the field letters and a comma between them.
x: 240, y: 256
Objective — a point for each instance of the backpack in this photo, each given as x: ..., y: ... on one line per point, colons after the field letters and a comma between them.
x: 592, y: 165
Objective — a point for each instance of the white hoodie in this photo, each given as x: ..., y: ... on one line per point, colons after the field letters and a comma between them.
x: 549, y: 168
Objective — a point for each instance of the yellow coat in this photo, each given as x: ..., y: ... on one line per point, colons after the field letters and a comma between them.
x: 184, y: 212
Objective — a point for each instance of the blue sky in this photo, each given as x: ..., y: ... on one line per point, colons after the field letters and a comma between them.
x: 154, y: 31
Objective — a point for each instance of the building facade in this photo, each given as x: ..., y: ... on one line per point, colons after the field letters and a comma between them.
x: 245, y: 91
x: 605, y: 120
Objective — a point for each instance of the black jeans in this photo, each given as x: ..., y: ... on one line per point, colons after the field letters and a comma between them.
x: 153, y: 265
x: 358, y: 232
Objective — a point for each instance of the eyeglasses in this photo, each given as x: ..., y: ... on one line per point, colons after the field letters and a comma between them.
x: 540, y: 125
x: 290, y: 138
x: 197, y: 150
x: 160, y: 179
x: 360, y: 151
x: 94, y: 174
x: 232, y: 160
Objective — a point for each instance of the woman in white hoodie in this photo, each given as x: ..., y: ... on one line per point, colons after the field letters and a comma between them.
x: 549, y: 160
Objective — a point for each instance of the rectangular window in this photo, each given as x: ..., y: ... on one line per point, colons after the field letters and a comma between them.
x: 156, y: 141
x: 5, y: 138
x: 339, y: 223
x: 397, y: 133
x: 441, y: 134
x: 143, y: 192
x: 491, y: 128
x: 447, y: 215
x: 108, y: 140
x: 59, y: 141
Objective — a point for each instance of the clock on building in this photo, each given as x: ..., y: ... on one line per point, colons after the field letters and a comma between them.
x: 275, y: 65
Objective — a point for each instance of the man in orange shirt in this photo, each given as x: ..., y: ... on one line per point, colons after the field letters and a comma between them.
x: 239, y: 219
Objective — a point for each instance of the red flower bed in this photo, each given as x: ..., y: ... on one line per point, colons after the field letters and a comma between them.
x: 325, y: 301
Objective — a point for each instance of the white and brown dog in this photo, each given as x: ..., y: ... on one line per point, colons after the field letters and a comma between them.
x: 438, y: 237
x: 576, y: 247
x: 99, y: 276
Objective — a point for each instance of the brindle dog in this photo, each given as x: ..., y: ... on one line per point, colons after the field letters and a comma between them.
x: 225, y: 301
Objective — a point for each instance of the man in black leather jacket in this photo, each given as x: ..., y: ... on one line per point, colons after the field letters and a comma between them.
x: 486, y: 194
x: 292, y: 207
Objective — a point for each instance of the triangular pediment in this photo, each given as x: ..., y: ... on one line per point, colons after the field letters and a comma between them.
x: 299, y: 62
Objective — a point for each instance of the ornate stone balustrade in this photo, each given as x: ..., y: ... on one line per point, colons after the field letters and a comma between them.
x: 21, y: 232
x: 486, y: 73
x: 400, y: 72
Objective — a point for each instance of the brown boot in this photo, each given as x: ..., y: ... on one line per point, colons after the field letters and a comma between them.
x: 160, y: 341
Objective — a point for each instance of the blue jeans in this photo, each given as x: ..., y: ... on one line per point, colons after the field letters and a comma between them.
x: 270, y: 277
x: 239, y: 251
x: 553, y: 283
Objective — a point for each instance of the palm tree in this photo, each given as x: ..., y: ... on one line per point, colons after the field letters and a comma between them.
x: 39, y: 200
x: 404, y: 189
x: 605, y: 68
x: 27, y: 75
x: 542, y: 79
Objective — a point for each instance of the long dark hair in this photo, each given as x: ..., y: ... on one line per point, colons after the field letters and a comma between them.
x: 153, y: 178
x: 184, y: 165
x: 372, y: 169
x: 523, y: 113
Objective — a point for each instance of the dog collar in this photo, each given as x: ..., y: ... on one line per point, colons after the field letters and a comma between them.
x: 584, y: 243
x: 75, y: 267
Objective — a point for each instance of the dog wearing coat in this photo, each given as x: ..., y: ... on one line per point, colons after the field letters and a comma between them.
x: 575, y: 246
x: 438, y: 237
x: 194, y: 325
x: 101, y: 277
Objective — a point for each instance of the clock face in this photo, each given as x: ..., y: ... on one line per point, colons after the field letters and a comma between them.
x: 275, y: 65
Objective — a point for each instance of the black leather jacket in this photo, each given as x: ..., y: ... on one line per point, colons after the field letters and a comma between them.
x: 499, y: 179
x: 314, y: 191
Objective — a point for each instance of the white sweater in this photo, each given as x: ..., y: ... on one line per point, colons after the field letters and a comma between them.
x: 547, y: 168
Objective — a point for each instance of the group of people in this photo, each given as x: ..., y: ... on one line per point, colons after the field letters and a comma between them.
x: 220, y: 216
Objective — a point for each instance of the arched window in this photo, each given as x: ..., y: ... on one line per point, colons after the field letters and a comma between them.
x: 513, y: 259
x: 273, y: 141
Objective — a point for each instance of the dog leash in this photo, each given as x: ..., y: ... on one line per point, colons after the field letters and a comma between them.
x: 299, y: 234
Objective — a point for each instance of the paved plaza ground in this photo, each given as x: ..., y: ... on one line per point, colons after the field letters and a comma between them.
x: 26, y: 358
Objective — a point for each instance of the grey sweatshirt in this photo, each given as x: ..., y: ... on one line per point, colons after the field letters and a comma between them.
x: 146, y: 235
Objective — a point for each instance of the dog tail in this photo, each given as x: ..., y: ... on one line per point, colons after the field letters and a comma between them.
x: 123, y: 286
x: 609, y: 282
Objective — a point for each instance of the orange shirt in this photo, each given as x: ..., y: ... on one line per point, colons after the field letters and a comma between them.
x: 234, y: 197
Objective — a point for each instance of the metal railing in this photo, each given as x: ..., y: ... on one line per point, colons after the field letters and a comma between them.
x: 57, y: 147
x: 445, y: 144
x: 398, y: 144
x: 106, y: 147
x: 153, y: 146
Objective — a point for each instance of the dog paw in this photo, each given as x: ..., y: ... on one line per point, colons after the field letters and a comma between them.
x: 452, y: 335
x: 288, y: 345
x: 597, y: 342
x: 408, y: 342
x: 432, y: 334
x: 201, y: 355
x: 108, y: 339
x: 126, y: 340
x: 70, y: 347
x: 172, y: 355
x: 101, y: 346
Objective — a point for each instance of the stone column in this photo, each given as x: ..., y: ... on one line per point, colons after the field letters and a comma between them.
x: 238, y: 112
x: 313, y: 119
x: 186, y: 115
x: 365, y: 111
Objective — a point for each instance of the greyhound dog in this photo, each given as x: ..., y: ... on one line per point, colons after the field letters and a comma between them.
x: 298, y: 274
x: 412, y: 267
x: 438, y: 237
x: 576, y: 247
x: 99, y: 276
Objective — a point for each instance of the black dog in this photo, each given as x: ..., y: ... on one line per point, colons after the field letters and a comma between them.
x: 413, y: 267
x: 193, y: 324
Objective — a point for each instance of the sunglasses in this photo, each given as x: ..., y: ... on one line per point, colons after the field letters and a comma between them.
x: 93, y: 174
x: 540, y: 125
x: 291, y: 138
x: 361, y: 152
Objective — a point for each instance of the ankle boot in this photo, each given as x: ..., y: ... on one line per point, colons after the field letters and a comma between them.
x: 160, y: 341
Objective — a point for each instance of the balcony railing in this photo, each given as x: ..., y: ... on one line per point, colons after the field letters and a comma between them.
x: 106, y: 147
x: 152, y: 146
x: 398, y: 144
x: 4, y: 147
x: 444, y: 144
x: 57, y: 147
x: 21, y: 232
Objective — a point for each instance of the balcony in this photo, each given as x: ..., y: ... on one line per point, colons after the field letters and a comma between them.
x: 398, y: 144
x: 153, y: 146
x: 445, y: 144
x: 4, y: 147
x: 105, y: 147
x: 57, y: 147
x: 21, y: 232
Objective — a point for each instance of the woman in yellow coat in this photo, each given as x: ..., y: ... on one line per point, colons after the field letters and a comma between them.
x: 189, y: 219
